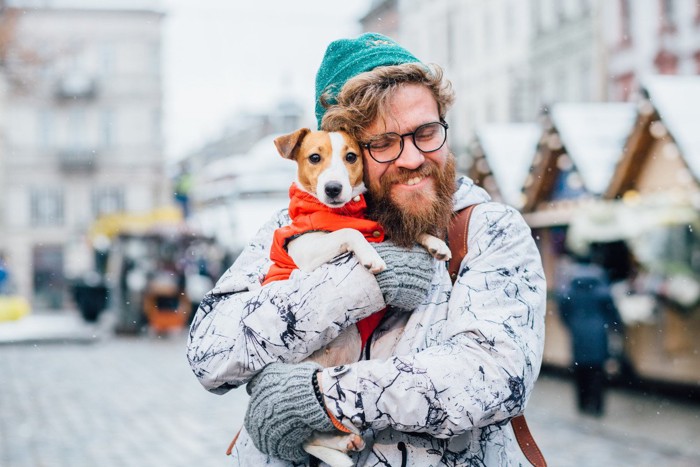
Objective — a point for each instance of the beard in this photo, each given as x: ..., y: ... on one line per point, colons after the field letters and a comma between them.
x: 428, y: 211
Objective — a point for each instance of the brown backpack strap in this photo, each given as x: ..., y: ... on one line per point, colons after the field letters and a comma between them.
x: 457, y: 238
x: 527, y: 442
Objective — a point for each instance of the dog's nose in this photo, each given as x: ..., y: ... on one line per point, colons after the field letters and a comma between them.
x: 333, y: 189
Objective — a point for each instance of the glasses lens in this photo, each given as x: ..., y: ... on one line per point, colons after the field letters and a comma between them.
x: 385, y: 147
x: 430, y: 137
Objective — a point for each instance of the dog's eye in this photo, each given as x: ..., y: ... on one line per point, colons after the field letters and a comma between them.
x: 314, y: 158
x: 351, y: 157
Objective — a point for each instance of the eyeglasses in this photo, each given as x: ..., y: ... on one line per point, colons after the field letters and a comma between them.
x: 388, y: 147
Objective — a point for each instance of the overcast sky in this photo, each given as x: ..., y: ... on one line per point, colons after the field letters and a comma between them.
x: 221, y: 56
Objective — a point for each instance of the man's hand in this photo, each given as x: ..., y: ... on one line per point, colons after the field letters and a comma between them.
x: 283, y: 410
x: 406, y: 280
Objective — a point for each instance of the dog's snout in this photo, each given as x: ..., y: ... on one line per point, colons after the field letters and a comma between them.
x: 333, y: 189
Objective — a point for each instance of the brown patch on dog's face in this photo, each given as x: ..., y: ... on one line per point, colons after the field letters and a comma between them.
x: 314, y: 156
x: 352, y: 158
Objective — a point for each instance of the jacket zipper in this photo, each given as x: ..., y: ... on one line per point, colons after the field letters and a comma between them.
x: 368, y: 345
x: 367, y: 351
x: 401, y: 446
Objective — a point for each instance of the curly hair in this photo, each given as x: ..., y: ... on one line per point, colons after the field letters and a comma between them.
x: 365, y: 97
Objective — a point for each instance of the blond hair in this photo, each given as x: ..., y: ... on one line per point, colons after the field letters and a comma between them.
x: 365, y: 97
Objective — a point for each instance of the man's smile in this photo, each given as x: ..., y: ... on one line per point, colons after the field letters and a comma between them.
x: 415, y: 180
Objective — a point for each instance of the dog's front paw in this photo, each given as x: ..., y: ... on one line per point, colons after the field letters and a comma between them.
x: 344, y: 442
x: 369, y: 258
x: 332, y: 447
x: 375, y: 266
x: 443, y: 254
x: 436, y: 247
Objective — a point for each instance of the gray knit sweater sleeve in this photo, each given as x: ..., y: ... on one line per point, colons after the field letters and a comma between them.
x: 283, y: 410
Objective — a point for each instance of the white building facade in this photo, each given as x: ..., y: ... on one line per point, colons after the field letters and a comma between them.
x: 568, y: 55
x: 83, y: 114
x: 647, y: 37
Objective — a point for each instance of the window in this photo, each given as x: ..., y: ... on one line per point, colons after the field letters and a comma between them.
x: 623, y: 86
x: 667, y: 16
x: 107, y: 200
x: 490, y: 30
x: 666, y: 62
x: 625, y: 24
x: 107, y: 128
x: 76, y: 129
x: 155, y: 58
x: 107, y: 59
x: 511, y: 24
x: 45, y: 136
x: 585, y: 8
x: 537, y: 16
x: 561, y: 85
x: 46, y: 206
x: 560, y: 11
x: 546, y: 13
x: 157, y: 127
x: 585, y: 79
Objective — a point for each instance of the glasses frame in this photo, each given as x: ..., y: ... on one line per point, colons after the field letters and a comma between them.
x: 412, y: 134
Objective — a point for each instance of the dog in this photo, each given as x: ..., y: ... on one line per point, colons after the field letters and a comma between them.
x: 330, y: 169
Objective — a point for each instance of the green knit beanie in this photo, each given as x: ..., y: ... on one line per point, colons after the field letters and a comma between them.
x: 347, y: 58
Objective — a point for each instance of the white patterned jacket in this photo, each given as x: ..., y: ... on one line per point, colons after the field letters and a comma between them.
x: 435, y: 387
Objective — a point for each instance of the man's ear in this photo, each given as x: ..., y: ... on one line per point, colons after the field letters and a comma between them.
x: 288, y: 145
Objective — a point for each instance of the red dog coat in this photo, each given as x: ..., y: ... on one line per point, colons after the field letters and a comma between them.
x: 308, y: 214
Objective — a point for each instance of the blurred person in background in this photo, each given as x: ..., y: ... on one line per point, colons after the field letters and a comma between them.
x: 448, y: 366
x: 587, y: 309
x: 183, y: 188
x: 4, y: 276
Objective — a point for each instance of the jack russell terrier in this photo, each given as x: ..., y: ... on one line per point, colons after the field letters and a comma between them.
x: 327, y: 209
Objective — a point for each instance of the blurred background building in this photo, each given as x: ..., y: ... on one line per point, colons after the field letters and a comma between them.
x: 82, y: 113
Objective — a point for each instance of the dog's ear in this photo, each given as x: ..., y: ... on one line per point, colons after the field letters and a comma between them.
x: 288, y: 145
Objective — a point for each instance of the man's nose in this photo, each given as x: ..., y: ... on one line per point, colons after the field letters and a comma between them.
x: 411, y: 157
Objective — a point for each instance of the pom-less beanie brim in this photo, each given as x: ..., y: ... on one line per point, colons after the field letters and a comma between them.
x: 347, y: 58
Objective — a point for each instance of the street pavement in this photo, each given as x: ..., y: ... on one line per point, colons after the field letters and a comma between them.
x: 89, y: 398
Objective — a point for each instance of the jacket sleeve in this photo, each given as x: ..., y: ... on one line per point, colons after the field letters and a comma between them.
x: 481, y: 368
x: 241, y: 326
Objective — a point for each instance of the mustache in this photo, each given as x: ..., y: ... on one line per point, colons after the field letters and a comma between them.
x: 403, y: 175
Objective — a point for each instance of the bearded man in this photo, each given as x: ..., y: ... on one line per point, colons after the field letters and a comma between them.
x: 448, y: 366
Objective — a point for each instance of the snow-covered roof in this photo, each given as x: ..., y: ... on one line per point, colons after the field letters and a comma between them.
x: 509, y: 149
x: 261, y: 159
x: 259, y: 172
x: 594, y: 135
x: 677, y: 100
x: 263, y: 156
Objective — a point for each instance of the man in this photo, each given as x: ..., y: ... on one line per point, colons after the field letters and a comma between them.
x: 587, y: 309
x: 447, y: 367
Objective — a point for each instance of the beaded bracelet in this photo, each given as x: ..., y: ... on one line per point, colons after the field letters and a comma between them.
x: 319, y: 397
x: 317, y: 390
